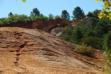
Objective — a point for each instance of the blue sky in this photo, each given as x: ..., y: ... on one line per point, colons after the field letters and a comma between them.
x: 46, y: 6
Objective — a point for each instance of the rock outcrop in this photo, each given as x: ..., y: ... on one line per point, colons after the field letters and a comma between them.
x: 32, y: 51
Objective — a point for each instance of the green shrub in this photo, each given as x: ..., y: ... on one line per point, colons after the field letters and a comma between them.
x: 3, y: 21
x: 73, y: 35
x: 18, y: 18
x: 41, y: 18
x: 94, y: 42
x: 107, y: 41
x: 67, y: 35
x: 85, y: 50
x: 14, y: 19
x: 107, y: 46
x: 102, y: 27
x: 91, y: 22
x: 77, y: 34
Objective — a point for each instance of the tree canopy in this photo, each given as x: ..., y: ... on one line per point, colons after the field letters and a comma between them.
x: 106, y: 11
x: 78, y: 13
x: 65, y: 15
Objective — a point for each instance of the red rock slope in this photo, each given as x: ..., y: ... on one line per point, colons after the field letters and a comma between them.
x: 29, y: 51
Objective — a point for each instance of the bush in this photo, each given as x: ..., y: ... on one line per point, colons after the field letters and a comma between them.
x: 18, y: 18
x: 92, y: 33
x: 107, y: 41
x: 40, y: 18
x: 73, y: 35
x: 94, y: 42
x: 107, y: 45
x: 102, y: 27
x: 85, y: 50
x: 14, y: 19
x: 77, y: 34
x: 3, y: 21
x: 107, y: 48
x: 91, y: 22
x: 67, y: 35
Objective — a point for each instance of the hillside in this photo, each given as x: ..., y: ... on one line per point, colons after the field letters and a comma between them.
x: 32, y: 51
x: 38, y: 24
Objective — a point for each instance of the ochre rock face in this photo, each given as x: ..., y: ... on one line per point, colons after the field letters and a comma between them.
x: 29, y: 51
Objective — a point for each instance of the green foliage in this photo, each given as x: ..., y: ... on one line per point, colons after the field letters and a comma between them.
x: 41, y: 18
x: 102, y: 27
x: 17, y: 18
x: 106, y: 11
x: 10, y: 14
x: 57, y: 17
x: 107, y: 47
x: 14, y: 18
x: 94, y: 42
x: 90, y: 14
x: 67, y: 35
x: 73, y: 34
x: 91, y: 22
x: 107, y: 41
x: 94, y: 14
x: 78, y: 13
x: 92, y: 19
x: 51, y: 17
x: 77, y: 34
x: 91, y: 33
x: 65, y: 15
x: 35, y: 12
x: 35, y: 16
x: 85, y: 50
x: 3, y: 21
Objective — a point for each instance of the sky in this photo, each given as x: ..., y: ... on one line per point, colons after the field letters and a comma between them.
x: 46, y: 7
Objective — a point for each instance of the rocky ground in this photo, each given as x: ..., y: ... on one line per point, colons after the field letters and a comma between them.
x: 32, y: 51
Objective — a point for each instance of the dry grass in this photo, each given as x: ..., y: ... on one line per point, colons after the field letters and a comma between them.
x: 85, y: 50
